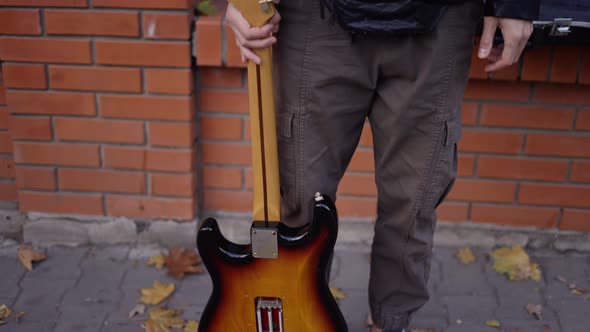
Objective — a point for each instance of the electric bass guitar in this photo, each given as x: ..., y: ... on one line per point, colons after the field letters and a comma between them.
x: 278, y: 282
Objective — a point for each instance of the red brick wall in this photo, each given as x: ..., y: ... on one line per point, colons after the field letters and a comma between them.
x: 524, y: 156
x: 104, y: 118
x: 101, y: 107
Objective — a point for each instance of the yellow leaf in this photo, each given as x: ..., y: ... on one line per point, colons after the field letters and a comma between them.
x: 27, y: 256
x: 535, y: 310
x: 158, y: 293
x: 493, y: 323
x: 137, y: 310
x: 337, y: 293
x: 191, y: 326
x: 5, y: 311
x: 162, y: 320
x: 157, y: 261
x: 181, y: 261
x: 515, y: 263
x: 465, y: 255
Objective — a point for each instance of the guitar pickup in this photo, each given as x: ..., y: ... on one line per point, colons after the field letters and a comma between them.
x: 269, y: 314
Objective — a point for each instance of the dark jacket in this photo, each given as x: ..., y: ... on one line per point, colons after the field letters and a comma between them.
x: 414, y: 16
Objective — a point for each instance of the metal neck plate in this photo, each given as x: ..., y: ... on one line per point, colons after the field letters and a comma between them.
x: 265, y: 243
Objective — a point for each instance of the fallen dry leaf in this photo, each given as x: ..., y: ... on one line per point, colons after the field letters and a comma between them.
x: 158, y: 261
x: 18, y: 316
x: 337, y: 293
x: 562, y: 279
x: 576, y: 292
x: 191, y: 326
x: 2, y: 322
x: 162, y: 320
x: 493, y: 323
x: 465, y: 255
x: 422, y: 330
x: 158, y: 293
x: 515, y: 263
x: 181, y: 261
x: 137, y: 310
x: 5, y: 311
x: 535, y: 310
x: 28, y: 255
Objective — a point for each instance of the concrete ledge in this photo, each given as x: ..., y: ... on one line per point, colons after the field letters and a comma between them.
x: 49, y: 230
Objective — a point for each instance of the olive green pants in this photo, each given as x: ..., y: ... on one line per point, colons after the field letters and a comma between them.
x: 410, y: 88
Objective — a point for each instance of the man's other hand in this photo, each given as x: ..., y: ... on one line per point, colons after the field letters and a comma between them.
x: 248, y: 37
x: 515, y: 33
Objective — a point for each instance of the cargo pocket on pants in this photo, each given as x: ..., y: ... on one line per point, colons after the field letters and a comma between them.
x: 286, y: 151
x: 446, y: 171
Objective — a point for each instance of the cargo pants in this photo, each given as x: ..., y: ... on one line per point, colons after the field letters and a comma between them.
x: 410, y: 88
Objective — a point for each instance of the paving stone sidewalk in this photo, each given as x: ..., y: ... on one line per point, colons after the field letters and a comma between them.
x: 92, y: 289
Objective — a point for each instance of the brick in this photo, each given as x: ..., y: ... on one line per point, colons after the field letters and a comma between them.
x: 20, y: 22
x: 208, y: 41
x: 525, y: 116
x: 249, y: 180
x: 147, y: 107
x: 362, y: 160
x: 7, y: 169
x: 31, y: 128
x: 178, y: 185
x: 222, y: 200
x: 565, y: 64
x: 562, y: 93
x: 24, y: 76
x: 233, y: 57
x: 575, y: 220
x: 466, y: 165
x: 226, y: 101
x: 35, y: 178
x: 226, y: 153
x: 171, y: 134
x: 558, y: 195
x: 56, y: 154
x: 172, y: 81
x: 585, y: 68
x: 60, y: 203
x: 583, y: 120
x: 490, y: 141
x: 45, y: 50
x: 490, y: 90
x: 483, y: 191
x: 56, y: 103
x: 143, y: 53
x: 362, y: 207
x: 92, y: 23
x: 221, y: 77
x: 95, y: 78
x: 153, y: 4
x: 521, y: 216
x: 149, y: 207
x: 98, y: 130
x: 222, y: 178
x: 357, y: 184
x: 167, y: 26
x: 519, y: 168
x: 101, y: 181
x: 580, y: 171
x: 2, y: 94
x: 143, y: 159
x: 5, y: 142
x: 45, y: 3
x: 4, y: 118
x: 452, y: 211
x: 221, y: 128
x: 469, y: 114
x: 366, y: 138
x: 535, y: 64
x: 8, y: 191
x: 509, y: 73
x: 558, y: 145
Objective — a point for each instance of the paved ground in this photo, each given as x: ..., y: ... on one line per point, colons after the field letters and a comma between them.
x: 93, y: 289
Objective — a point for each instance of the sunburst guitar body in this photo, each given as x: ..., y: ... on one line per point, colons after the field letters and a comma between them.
x: 278, y: 282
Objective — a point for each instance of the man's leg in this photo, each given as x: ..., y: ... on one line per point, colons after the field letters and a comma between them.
x: 416, y: 124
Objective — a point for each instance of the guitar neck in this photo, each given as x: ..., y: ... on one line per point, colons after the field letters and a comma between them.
x: 265, y: 164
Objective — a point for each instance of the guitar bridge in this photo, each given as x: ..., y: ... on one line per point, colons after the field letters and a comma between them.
x: 269, y: 314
